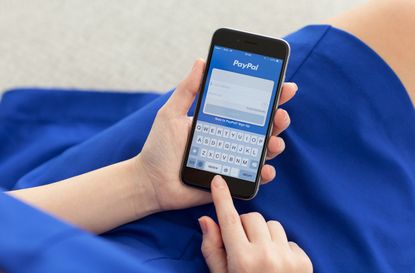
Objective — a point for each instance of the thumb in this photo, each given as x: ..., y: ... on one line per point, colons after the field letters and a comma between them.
x: 212, y: 246
x: 184, y: 95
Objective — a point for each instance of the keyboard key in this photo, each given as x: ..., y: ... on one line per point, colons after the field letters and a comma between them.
x: 203, y: 152
x: 199, y: 140
x: 200, y: 164
x: 198, y: 127
x: 226, y: 170
x: 226, y: 133
x: 213, y: 167
x: 220, y: 144
x: 194, y: 150
x: 212, y: 130
x: 217, y: 156
x: 234, y: 147
x: 247, y: 138
x: 247, y: 175
x: 254, y: 152
x: 224, y: 157
x: 233, y: 135
x: 205, y: 129
x: 260, y: 141
x: 191, y: 162
x: 238, y: 160
x: 240, y: 136
x: 247, y: 150
x: 211, y: 154
x: 213, y: 142
x: 227, y: 146
x: 245, y: 162
x: 206, y: 141
x: 254, y: 164
x: 231, y: 158
x: 219, y: 131
x: 235, y: 172
x: 254, y: 139
x: 240, y: 149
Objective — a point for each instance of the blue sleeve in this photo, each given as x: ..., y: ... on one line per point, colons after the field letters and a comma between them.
x: 32, y: 241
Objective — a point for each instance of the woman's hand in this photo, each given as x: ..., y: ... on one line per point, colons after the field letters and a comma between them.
x: 161, y: 157
x: 148, y: 183
x: 247, y: 243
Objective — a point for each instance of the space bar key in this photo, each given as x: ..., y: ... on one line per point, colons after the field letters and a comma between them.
x: 213, y: 167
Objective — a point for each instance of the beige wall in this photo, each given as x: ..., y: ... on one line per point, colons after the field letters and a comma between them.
x: 131, y: 44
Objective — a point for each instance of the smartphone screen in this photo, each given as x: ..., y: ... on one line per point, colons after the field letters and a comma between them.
x: 235, y: 110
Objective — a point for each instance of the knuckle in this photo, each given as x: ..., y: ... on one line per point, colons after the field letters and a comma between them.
x: 275, y: 224
x: 269, y: 258
x: 245, y: 263
x: 293, y: 245
x: 206, y: 249
x: 269, y: 255
x: 281, y: 144
x: 286, y: 115
x: 288, y: 119
x: 244, y: 216
x: 254, y: 215
x: 290, y: 264
x: 306, y: 265
x: 303, y: 262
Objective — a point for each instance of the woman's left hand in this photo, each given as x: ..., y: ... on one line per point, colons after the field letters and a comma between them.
x: 161, y: 157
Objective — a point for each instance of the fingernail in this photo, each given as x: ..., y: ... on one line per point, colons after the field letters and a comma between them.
x: 286, y: 116
x: 194, y: 65
x: 218, y: 182
x: 295, y: 86
x: 203, y: 226
x: 282, y: 143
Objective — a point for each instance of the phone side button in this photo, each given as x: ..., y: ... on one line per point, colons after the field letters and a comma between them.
x: 213, y: 167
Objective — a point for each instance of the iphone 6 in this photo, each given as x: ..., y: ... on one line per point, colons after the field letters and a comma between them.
x: 235, y: 109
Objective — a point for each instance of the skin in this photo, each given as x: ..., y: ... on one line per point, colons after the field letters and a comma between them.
x: 147, y: 183
x: 247, y: 243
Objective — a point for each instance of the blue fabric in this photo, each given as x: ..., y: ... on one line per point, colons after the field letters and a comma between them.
x: 345, y: 186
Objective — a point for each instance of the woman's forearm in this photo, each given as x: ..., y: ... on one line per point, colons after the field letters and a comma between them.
x: 96, y: 201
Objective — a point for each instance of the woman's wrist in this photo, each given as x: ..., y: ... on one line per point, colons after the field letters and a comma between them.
x: 99, y: 200
x: 144, y: 199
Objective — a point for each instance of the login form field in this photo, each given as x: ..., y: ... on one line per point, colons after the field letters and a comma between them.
x: 237, y: 96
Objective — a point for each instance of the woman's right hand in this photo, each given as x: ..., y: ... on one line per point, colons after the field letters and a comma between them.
x: 247, y: 243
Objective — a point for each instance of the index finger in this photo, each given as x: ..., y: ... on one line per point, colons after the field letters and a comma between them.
x: 233, y: 233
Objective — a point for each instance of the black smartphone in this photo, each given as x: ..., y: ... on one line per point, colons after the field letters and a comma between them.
x: 235, y: 109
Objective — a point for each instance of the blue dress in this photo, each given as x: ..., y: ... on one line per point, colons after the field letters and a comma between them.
x: 344, y: 191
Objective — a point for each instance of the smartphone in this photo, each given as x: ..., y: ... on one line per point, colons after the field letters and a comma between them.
x: 235, y: 109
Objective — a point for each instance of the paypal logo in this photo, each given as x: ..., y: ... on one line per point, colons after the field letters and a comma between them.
x: 245, y: 66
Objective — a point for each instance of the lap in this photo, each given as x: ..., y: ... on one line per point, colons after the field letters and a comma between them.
x: 386, y: 27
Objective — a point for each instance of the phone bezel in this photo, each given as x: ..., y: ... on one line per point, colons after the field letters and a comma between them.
x: 251, y: 43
